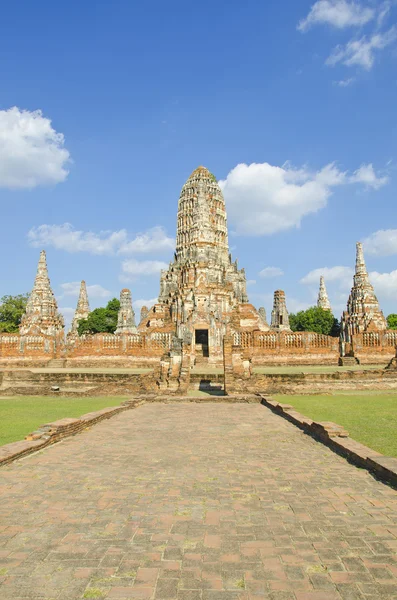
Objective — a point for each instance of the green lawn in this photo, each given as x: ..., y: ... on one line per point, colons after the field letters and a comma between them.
x: 21, y: 415
x: 370, y: 418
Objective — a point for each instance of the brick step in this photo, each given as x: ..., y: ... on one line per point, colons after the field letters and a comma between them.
x: 348, y: 361
x: 57, y: 363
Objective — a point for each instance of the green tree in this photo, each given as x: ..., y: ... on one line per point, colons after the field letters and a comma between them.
x: 11, y: 310
x: 315, y: 319
x: 392, y: 321
x: 101, y: 320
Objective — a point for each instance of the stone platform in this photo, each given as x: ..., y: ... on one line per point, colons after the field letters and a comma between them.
x: 195, y: 502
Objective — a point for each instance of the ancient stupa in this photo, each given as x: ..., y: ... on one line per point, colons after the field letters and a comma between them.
x: 203, y: 292
x: 82, y: 310
x: 363, y: 312
x: 126, y: 316
x: 323, y: 300
x: 41, y: 315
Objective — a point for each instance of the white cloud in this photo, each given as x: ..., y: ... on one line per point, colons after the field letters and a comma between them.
x: 382, y: 242
x: 384, y: 11
x: 366, y: 175
x: 345, y: 82
x: 263, y: 199
x: 32, y: 153
x: 66, y: 237
x: 251, y: 282
x: 341, y: 275
x: 294, y: 305
x: 68, y: 314
x: 137, y: 304
x: 153, y: 240
x: 385, y: 284
x: 134, y: 267
x: 269, y: 272
x: 93, y: 291
x: 361, y: 52
x: 338, y: 13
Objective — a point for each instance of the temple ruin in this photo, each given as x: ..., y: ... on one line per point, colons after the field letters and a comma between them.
x: 202, y: 313
x: 82, y: 310
x: 323, y: 300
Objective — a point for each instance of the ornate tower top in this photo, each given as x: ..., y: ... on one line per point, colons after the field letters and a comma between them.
x: 202, y: 222
x: 280, y: 318
x: 82, y: 309
x: 323, y: 300
x: 41, y: 314
x: 126, y: 316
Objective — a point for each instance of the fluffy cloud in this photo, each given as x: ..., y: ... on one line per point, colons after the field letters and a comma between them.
x: 32, y: 153
x: 338, y: 13
x: 137, y: 304
x: 382, y: 242
x: 294, y: 305
x: 66, y: 237
x: 68, y: 314
x: 94, y: 291
x: 361, y: 52
x: 269, y: 272
x: 385, y: 284
x: 134, y: 267
x: 343, y: 276
x: 263, y: 199
x: 154, y: 240
x: 345, y: 82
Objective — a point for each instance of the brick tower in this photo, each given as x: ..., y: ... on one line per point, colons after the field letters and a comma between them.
x: 42, y: 316
x: 202, y: 293
x: 363, y: 312
x: 82, y: 310
x: 323, y: 300
x: 280, y: 318
x: 126, y: 316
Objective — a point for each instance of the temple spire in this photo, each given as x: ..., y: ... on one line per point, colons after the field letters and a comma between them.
x: 280, y: 317
x: 361, y: 269
x: 126, y: 316
x: 363, y: 312
x: 82, y: 310
x: 202, y: 222
x: 323, y: 300
x: 41, y: 315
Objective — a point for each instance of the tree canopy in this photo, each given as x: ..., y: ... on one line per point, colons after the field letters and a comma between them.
x: 101, y: 320
x: 11, y: 310
x: 392, y: 321
x: 315, y: 319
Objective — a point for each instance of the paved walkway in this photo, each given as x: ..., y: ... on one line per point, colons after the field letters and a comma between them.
x: 192, y: 501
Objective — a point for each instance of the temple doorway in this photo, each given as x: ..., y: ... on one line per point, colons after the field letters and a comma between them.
x: 201, y: 342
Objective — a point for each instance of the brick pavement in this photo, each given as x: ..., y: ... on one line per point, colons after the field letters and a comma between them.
x: 195, y: 501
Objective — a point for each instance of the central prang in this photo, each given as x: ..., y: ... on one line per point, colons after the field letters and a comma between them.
x: 203, y: 293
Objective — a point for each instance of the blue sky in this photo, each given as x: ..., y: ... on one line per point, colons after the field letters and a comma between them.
x: 292, y: 105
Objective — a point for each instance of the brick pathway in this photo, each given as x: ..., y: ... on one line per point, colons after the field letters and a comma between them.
x: 192, y: 501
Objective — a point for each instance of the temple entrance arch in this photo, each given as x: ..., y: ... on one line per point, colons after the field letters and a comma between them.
x: 201, y: 342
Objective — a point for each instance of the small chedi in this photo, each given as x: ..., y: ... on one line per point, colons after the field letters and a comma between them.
x: 126, y: 316
x: 323, y: 300
x: 364, y: 335
x: 42, y: 316
x: 280, y: 318
x: 363, y: 312
x: 82, y: 310
x: 202, y: 313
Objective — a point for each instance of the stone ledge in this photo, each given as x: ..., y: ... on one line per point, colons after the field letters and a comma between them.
x: 50, y: 433
x: 337, y: 438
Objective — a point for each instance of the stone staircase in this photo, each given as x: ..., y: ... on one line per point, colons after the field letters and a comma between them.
x: 56, y: 363
x: 348, y: 361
